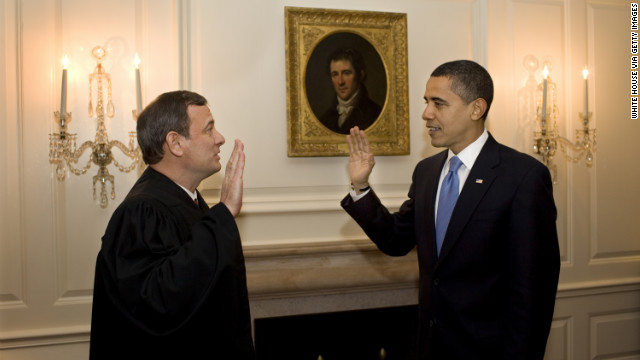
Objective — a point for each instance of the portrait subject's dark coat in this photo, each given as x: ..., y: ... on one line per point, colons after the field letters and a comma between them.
x: 491, y: 292
x: 170, y: 279
x: 364, y: 114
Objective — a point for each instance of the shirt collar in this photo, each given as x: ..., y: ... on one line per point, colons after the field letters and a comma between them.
x: 469, y: 154
x: 194, y: 195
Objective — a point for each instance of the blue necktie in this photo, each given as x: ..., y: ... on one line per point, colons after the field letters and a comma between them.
x: 447, y: 200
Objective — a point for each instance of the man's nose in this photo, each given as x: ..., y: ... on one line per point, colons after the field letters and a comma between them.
x: 427, y: 114
x: 220, y: 139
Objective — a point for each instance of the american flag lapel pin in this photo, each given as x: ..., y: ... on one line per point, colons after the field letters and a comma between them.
x: 479, y: 181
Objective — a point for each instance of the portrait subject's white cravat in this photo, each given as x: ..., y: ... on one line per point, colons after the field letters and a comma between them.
x: 344, y: 108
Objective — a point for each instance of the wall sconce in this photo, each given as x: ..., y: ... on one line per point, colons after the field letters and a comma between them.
x: 547, y: 139
x: 63, y: 151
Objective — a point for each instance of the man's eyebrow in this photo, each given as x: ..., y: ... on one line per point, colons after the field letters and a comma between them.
x: 437, y: 99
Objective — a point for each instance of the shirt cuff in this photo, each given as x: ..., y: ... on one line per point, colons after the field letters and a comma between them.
x: 355, y: 197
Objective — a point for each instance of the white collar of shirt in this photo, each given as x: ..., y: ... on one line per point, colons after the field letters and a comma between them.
x: 469, y: 154
x: 194, y: 195
x: 468, y: 157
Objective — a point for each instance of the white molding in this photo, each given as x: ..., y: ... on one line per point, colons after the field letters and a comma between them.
x: 184, y: 42
x: 42, y: 337
x: 480, y: 33
x: 587, y: 288
x: 15, y: 172
x: 305, y: 199
x: 80, y: 334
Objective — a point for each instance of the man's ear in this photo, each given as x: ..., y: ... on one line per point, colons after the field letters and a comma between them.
x: 173, y: 141
x: 479, y: 109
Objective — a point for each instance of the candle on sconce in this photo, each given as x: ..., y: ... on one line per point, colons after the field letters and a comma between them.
x: 585, y: 74
x: 63, y: 96
x: 138, y: 87
x: 545, y: 73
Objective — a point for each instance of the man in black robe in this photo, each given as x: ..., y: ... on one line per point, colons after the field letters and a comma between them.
x: 170, y: 277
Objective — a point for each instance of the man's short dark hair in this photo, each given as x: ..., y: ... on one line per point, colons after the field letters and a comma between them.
x: 168, y: 112
x: 469, y: 80
x: 351, y: 55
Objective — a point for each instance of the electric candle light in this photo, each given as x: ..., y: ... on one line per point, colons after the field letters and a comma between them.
x: 546, y: 142
x: 138, y: 88
x: 64, y: 153
x: 545, y: 73
x: 585, y: 74
x: 63, y: 96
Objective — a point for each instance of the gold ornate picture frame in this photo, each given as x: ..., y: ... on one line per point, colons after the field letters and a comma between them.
x: 311, y: 36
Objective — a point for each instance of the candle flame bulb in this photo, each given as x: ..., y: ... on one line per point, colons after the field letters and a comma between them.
x: 545, y: 72
x: 585, y: 73
x: 65, y: 62
x: 136, y: 61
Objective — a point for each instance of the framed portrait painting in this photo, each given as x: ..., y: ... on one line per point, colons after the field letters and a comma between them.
x: 345, y: 69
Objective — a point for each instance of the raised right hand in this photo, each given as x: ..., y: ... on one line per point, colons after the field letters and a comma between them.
x: 361, y: 159
x: 232, y: 185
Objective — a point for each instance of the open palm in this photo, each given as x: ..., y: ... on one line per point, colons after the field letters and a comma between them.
x: 361, y: 159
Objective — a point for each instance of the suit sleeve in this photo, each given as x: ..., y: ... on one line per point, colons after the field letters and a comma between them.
x: 534, y: 266
x: 393, y: 234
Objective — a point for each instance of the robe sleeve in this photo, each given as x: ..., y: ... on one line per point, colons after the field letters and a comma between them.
x: 158, y: 271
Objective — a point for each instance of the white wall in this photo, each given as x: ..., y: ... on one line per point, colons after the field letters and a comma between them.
x: 233, y: 53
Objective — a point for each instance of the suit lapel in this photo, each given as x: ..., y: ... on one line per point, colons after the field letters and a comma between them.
x: 430, y: 190
x: 478, y: 182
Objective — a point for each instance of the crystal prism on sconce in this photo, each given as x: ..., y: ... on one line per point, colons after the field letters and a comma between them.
x: 546, y: 140
x: 63, y: 149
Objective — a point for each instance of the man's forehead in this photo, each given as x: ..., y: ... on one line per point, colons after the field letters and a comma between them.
x: 341, y: 62
x: 199, y: 113
x: 438, y: 84
x: 194, y: 108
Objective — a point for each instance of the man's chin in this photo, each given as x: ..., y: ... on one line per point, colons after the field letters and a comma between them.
x: 344, y: 96
x: 436, y: 142
x: 215, y: 169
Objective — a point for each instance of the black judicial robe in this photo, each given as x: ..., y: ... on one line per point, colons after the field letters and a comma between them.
x: 170, y: 279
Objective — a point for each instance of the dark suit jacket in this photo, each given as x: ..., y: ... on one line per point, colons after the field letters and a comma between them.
x: 491, y: 293
x: 364, y: 114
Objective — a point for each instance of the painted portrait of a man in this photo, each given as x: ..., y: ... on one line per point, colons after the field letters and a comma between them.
x: 352, y: 106
x: 338, y: 81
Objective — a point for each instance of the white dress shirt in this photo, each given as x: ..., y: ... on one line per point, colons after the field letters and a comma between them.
x: 468, y: 157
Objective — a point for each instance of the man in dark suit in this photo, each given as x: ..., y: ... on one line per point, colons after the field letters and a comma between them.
x: 487, y: 290
x: 352, y: 105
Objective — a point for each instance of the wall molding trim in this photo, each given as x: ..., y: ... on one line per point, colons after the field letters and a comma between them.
x: 44, y: 337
